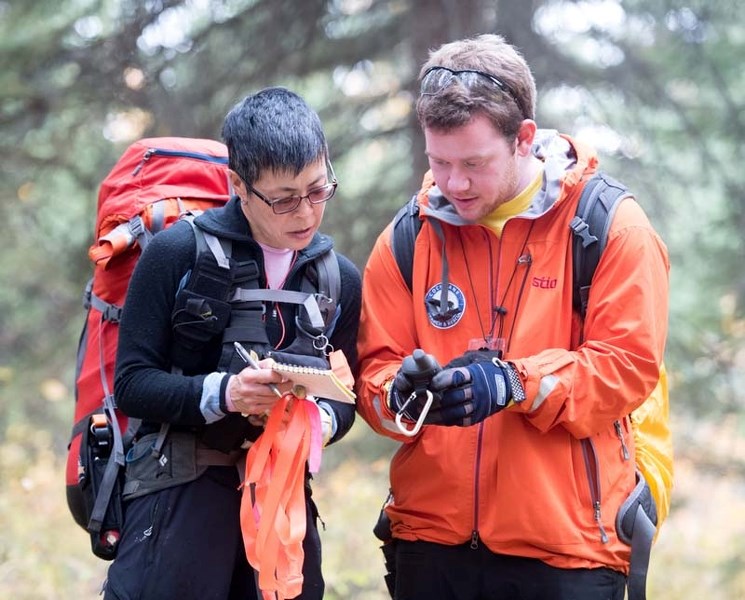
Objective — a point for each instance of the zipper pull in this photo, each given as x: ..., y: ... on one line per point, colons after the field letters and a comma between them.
x: 474, y: 540
x: 619, y: 433
x: 145, y: 158
x: 603, y: 534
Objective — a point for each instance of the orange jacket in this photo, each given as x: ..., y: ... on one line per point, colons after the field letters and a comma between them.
x: 520, y: 481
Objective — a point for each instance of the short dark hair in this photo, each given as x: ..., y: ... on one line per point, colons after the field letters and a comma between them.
x: 272, y: 129
x: 456, y: 105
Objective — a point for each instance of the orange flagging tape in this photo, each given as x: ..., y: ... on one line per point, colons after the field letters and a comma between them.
x: 273, y: 519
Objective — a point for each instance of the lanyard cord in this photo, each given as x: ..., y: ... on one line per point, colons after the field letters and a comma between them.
x: 526, y: 259
x: 498, y: 311
x: 470, y: 279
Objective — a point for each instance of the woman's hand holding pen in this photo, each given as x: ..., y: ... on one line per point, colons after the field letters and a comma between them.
x: 256, y: 389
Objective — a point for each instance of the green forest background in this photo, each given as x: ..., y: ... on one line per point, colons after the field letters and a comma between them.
x: 656, y: 85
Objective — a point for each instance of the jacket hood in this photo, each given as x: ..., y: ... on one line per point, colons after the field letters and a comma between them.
x: 565, y: 162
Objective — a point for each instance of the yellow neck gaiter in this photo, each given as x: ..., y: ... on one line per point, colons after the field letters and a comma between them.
x: 499, y: 216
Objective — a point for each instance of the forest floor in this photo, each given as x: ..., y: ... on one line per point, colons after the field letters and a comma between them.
x: 45, y: 555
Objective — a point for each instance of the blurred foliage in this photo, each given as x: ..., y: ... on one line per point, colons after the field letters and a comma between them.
x: 656, y: 85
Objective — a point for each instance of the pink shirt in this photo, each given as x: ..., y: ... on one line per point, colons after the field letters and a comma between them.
x: 277, y: 263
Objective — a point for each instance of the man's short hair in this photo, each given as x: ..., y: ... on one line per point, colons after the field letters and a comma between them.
x: 454, y: 105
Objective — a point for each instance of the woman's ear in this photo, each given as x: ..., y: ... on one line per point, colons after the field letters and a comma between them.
x: 236, y: 183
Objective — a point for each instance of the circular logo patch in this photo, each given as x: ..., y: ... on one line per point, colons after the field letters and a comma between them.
x: 444, y: 317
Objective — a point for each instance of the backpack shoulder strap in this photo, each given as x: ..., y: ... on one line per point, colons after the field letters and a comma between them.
x: 220, y: 248
x: 319, y: 294
x: 406, y: 226
x: 329, y: 277
x: 597, y: 205
x: 329, y: 285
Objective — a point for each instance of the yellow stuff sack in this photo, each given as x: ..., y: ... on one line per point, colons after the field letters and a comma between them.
x: 654, y: 445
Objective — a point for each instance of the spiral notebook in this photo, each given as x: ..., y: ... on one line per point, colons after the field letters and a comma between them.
x: 321, y: 383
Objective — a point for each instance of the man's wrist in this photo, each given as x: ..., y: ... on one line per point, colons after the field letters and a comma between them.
x: 390, y: 395
x: 516, y: 384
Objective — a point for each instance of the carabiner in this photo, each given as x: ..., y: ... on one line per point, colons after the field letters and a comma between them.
x: 420, y: 421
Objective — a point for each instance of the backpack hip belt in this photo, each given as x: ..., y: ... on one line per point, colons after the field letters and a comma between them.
x: 182, y: 458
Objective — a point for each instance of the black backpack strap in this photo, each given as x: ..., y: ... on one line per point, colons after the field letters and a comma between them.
x: 322, y: 282
x: 319, y: 295
x: 104, y: 513
x: 636, y: 525
x: 329, y: 279
x: 202, y: 310
x: 597, y: 205
x: 406, y: 226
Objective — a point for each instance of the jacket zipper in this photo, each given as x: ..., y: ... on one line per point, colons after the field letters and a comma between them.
x: 150, y: 152
x: 619, y: 432
x: 593, y: 477
x: 477, y: 469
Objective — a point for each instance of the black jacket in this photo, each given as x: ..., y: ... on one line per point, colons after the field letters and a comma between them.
x: 145, y: 386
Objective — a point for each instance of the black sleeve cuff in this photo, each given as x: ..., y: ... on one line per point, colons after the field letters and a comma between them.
x: 223, y: 394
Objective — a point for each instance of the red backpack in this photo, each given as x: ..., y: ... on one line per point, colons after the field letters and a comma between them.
x: 153, y: 184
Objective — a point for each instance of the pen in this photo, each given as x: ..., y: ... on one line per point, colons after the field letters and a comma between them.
x: 249, y: 360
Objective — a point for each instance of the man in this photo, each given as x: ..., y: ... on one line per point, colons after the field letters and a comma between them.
x: 495, y: 496
x: 177, y: 365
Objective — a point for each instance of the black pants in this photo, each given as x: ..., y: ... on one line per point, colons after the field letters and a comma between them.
x: 427, y: 571
x: 185, y: 543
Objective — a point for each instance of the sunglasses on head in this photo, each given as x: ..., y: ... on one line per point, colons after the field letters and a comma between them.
x: 436, y: 79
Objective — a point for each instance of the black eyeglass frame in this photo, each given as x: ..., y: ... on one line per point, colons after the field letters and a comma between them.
x: 455, y: 72
x: 331, y: 186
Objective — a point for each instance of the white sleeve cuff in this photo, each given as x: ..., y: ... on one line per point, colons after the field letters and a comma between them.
x: 209, y: 404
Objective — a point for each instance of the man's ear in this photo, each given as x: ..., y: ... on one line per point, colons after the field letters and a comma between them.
x: 525, y: 136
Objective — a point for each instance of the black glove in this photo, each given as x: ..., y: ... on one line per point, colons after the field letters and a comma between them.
x: 472, y: 392
x: 413, y: 377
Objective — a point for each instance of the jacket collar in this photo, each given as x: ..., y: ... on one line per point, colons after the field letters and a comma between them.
x: 567, y: 162
x: 230, y: 222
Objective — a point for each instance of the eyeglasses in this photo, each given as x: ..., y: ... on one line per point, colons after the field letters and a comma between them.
x: 436, y: 79
x: 287, y: 204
